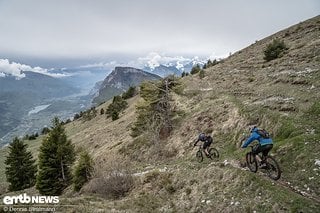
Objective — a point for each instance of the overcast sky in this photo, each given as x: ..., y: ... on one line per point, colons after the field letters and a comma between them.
x: 70, y: 32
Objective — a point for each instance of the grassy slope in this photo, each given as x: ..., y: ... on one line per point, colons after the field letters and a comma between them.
x: 277, y: 94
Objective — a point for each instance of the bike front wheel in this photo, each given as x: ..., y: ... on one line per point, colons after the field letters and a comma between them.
x: 272, y: 168
x: 251, y: 162
x: 199, y: 156
x: 214, y: 154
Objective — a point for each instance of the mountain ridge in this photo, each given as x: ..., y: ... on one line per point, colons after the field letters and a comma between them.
x: 119, y: 80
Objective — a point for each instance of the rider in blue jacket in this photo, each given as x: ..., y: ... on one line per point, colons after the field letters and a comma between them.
x: 264, y: 146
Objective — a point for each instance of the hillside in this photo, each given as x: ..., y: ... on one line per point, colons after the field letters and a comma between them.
x: 281, y: 95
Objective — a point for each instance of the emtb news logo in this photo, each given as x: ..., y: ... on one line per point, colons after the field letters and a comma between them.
x: 26, y: 199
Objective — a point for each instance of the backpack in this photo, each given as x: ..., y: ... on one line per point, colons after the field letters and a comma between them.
x: 263, y: 133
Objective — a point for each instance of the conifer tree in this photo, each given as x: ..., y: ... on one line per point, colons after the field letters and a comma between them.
x: 201, y: 74
x: 55, y: 159
x: 20, y: 166
x: 155, y: 111
x: 118, y: 105
x: 129, y: 93
x: 195, y: 69
x: 83, y: 171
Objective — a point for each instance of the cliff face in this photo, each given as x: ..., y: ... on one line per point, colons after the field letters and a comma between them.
x: 119, y: 80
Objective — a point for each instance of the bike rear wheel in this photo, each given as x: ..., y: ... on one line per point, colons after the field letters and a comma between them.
x: 214, y: 154
x: 199, y: 156
x: 273, y: 168
x: 251, y: 162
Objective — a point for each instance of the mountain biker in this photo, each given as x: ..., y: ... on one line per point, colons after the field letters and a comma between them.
x: 207, y: 139
x: 264, y: 146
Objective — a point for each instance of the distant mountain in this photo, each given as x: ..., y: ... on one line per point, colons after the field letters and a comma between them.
x: 174, y: 67
x: 163, y: 70
x: 18, y: 97
x: 119, y: 80
x: 36, y: 85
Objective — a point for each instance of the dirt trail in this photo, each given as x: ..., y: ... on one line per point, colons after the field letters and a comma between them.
x: 280, y: 182
x: 236, y: 164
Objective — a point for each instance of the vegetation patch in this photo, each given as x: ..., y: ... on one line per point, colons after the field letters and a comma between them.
x: 274, y: 50
x: 118, y: 105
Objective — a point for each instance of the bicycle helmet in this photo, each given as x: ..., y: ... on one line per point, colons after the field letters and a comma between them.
x: 202, y: 136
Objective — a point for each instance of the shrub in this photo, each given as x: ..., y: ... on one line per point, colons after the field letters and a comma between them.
x: 201, y: 74
x: 89, y: 114
x: 76, y: 116
x: 275, y: 50
x: 113, y: 181
x: 129, y: 93
x: 195, y: 69
x: 101, y: 111
x: 210, y: 63
x: 118, y: 104
x: 83, y: 171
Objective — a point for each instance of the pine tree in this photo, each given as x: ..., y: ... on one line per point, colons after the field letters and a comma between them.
x: 195, y: 69
x: 83, y: 171
x: 129, y: 93
x: 20, y: 166
x: 101, y: 111
x: 155, y: 111
x: 55, y: 159
x: 201, y: 74
x: 118, y: 105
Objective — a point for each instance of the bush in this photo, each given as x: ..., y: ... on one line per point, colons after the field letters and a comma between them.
x: 118, y: 104
x: 195, y: 69
x: 101, y: 111
x: 83, y: 171
x: 112, y: 182
x: 76, y: 116
x: 274, y: 50
x: 210, y: 64
x: 89, y: 114
x: 129, y: 93
x: 201, y: 74
x: 45, y: 130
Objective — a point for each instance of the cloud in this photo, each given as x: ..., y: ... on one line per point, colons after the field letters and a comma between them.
x: 154, y: 59
x: 101, y: 65
x: 98, y: 29
x: 17, y: 69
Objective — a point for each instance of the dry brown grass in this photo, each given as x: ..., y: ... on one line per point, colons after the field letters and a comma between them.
x: 112, y: 180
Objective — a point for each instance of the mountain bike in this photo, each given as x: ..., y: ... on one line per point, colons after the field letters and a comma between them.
x: 272, y: 167
x: 213, y: 153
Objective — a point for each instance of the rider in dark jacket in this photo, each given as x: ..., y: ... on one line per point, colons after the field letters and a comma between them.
x: 207, y: 139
